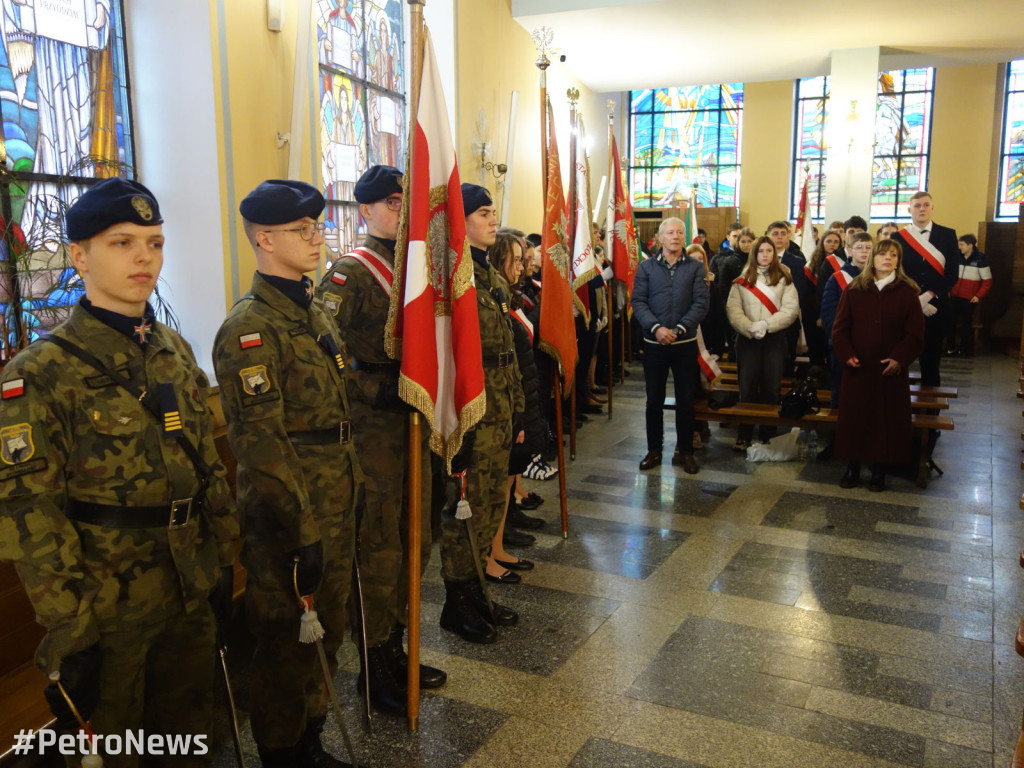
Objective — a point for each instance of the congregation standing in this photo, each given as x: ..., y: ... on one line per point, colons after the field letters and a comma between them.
x: 116, y: 507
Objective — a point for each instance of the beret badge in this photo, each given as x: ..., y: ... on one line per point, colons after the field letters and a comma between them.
x: 142, y: 207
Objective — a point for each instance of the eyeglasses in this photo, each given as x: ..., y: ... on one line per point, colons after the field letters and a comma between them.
x: 393, y: 203
x: 306, y: 231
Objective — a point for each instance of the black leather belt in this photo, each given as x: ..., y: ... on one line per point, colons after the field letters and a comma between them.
x: 502, y: 360
x: 339, y: 435
x: 391, y: 369
x: 173, y: 515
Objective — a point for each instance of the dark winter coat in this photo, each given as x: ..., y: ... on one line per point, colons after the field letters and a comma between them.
x: 874, y: 410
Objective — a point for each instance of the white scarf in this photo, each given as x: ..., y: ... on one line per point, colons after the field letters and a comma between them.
x: 880, y: 284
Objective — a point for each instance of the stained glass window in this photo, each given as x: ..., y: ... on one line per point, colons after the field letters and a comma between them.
x: 685, y: 136
x: 362, y: 103
x: 810, y: 148
x: 1011, y: 159
x: 903, y: 121
x: 65, y: 123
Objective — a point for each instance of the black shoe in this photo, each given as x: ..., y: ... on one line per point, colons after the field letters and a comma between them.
x: 599, y: 390
x: 501, y: 616
x: 686, y: 461
x: 461, y: 616
x: 517, y: 519
x: 529, y: 502
x: 516, y: 565
x: 278, y: 758
x: 651, y: 460
x: 591, y: 408
x: 430, y: 677
x: 851, y: 478
x: 877, y: 482
x: 387, y: 692
x: 508, y: 577
x: 310, y: 753
x: 516, y: 539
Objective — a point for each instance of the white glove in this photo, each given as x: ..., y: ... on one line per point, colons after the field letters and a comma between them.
x: 602, y: 323
x: 607, y: 274
x: 759, y: 329
x: 926, y: 306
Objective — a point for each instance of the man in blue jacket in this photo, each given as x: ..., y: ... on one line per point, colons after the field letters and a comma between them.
x: 670, y: 298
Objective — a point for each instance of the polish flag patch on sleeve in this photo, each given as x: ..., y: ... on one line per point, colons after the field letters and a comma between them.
x: 12, y: 388
x: 248, y: 340
x: 339, y: 278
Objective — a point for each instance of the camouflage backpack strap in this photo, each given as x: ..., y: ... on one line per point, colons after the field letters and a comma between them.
x: 167, y: 415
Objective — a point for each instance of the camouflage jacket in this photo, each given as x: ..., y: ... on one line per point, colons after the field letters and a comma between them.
x: 503, y: 386
x: 68, y: 432
x: 360, y: 306
x: 276, y: 379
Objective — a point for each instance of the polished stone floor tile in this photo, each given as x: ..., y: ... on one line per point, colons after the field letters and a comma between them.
x: 601, y: 753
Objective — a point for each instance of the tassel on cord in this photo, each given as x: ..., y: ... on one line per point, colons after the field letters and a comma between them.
x: 91, y: 760
x: 462, y: 510
x: 310, y: 628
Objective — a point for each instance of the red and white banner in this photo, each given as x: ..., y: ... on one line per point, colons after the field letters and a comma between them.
x: 433, y: 323
x: 625, y: 247
x: 584, y: 265
x: 804, y: 223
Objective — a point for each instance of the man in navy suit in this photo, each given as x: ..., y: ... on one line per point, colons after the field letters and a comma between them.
x: 930, y: 259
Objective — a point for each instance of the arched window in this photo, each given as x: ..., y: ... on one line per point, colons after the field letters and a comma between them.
x: 903, y: 125
x: 686, y: 136
x: 66, y: 123
x: 362, y: 103
x: 1011, y: 153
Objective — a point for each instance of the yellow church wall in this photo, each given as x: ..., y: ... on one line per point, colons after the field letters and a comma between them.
x: 766, y: 152
x: 496, y: 57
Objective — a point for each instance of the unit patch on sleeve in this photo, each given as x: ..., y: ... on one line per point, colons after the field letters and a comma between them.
x: 13, y: 388
x: 255, y: 380
x: 16, y: 444
x: 247, y: 340
x: 332, y: 301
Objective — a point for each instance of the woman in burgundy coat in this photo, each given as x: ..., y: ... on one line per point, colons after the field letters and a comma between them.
x: 878, y: 331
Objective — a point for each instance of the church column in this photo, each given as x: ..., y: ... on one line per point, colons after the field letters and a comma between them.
x: 851, y: 132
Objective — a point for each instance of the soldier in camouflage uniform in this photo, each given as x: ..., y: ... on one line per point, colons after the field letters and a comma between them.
x: 281, y: 372
x: 486, y: 449
x: 102, y: 510
x: 357, y: 291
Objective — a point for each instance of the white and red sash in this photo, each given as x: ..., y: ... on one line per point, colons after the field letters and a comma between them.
x: 810, y: 275
x: 525, y: 322
x: 932, y: 255
x: 758, y: 294
x: 376, y: 265
x: 708, y: 363
x: 835, y: 262
x: 843, y: 278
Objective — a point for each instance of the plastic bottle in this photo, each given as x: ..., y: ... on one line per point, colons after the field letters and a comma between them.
x: 812, y: 445
x: 801, y: 446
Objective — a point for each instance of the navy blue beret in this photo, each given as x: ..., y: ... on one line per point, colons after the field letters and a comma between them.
x: 377, y: 183
x: 111, y: 202
x: 474, y: 196
x: 280, y: 201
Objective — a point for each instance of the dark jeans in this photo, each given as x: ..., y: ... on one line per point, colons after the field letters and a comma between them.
x: 961, y: 326
x: 681, y: 360
x: 760, y: 364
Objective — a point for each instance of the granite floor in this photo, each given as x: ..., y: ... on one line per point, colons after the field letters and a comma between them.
x: 750, y: 615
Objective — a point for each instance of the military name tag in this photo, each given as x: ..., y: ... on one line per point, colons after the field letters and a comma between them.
x: 25, y: 468
x: 255, y: 380
x: 16, y: 444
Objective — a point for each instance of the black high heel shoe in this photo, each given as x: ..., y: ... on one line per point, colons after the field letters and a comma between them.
x: 508, y: 577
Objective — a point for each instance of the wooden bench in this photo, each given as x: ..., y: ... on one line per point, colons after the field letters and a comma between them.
x: 927, y: 400
x: 766, y: 414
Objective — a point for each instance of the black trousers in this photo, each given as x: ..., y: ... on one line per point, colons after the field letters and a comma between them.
x: 681, y: 360
x: 961, y: 326
x: 760, y: 364
x: 934, y: 340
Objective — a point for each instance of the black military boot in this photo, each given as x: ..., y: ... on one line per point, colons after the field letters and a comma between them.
x: 310, y: 753
x: 278, y: 758
x: 430, y: 677
x: 502, y: 616
x: 387, y: 690
x: 460, y: 614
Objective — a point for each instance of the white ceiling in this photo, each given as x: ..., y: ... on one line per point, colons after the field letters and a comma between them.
x: 618, y: 45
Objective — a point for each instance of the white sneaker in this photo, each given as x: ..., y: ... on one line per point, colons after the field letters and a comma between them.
x: 539, y: 469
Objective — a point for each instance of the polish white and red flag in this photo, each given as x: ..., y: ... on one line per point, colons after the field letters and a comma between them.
x: 433, y: 324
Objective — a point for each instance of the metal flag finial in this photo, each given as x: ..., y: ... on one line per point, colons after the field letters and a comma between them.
x: 573, y: 95
x: 542, y: 39
x: 611, y: 107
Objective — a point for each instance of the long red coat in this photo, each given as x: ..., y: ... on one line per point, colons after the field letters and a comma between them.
x: 874, y: 410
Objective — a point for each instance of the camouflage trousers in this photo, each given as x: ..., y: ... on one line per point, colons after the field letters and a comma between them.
x: 383, y: 440
x: 157, y: 679
x: 487, y: 494
x: 287, y: 685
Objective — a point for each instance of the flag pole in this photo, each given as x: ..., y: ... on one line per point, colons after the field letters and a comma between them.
x: 415, y: 428
x: 609, y: 234
x: 573, y: 205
